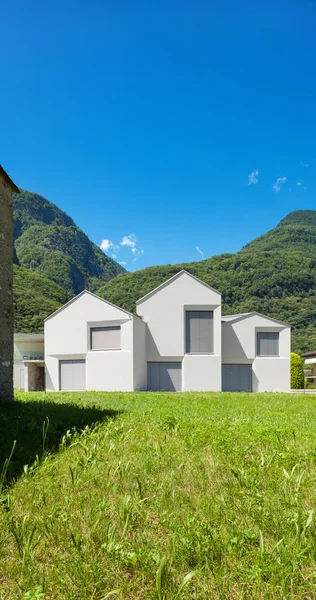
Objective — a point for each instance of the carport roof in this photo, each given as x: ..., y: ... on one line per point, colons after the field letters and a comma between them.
x: 29, y: 337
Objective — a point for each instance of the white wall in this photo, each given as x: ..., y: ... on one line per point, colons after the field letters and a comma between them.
x: 112, y: 370
x: 164, y: 313
x: 139, y: 355
x: 201, y: 373
x: 239, y: 347
x: 67, y: 336
x: 271, y: 374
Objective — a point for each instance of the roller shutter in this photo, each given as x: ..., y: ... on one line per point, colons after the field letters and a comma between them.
x: 72, y: 375
x: 237, y: 378
x: 164, y: 376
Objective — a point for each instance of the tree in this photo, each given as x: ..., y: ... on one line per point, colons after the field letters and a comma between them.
x: 297, y: 372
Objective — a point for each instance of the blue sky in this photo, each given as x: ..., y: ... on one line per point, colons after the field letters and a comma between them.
x: 143, y: 120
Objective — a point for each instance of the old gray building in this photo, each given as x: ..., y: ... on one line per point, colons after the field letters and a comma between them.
x: 6, y: 279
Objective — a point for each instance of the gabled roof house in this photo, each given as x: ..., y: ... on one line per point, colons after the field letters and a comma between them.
x: 179, y: 341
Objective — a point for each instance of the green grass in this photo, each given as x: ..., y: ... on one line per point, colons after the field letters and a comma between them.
x: 158, y: 496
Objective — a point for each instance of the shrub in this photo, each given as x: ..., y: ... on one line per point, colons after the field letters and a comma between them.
x: 297, y: 372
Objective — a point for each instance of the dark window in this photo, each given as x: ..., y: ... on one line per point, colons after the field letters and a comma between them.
x: 199, y: 331
x: 105, y: 338
x: 268, y: 343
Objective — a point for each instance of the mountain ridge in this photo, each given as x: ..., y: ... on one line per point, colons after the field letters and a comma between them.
x: 48, y: 241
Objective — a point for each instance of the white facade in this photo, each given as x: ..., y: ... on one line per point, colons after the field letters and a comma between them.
x: 179, y: 341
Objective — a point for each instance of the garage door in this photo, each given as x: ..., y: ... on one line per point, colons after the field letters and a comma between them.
x: 164, y: 376
x: 72, y: 375
x: 237, y: 378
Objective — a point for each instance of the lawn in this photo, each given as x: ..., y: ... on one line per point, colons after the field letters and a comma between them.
x: 158, y: 496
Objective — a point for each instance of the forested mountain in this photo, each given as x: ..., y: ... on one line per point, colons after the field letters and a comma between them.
x: 35, y: 297
x: 274, y: 274
x: 48, y: 241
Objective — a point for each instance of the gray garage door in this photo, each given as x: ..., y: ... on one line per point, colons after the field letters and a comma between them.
x: 72, y: 375
x: 237, y: 378
x: 164, y: 376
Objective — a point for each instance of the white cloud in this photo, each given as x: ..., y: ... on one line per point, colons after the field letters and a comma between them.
x: 305, y: 165
x: 130, y: 241
x: 252, y: 178
x: 123, y: 262
x: 106, y: 245
x: 199, y: 251
x: 299, y: 183
x: 277, y: 185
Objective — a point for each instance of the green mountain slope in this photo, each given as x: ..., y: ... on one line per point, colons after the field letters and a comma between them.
x: 274, y: 274
x: 48, y: 241
x: 35, y: 297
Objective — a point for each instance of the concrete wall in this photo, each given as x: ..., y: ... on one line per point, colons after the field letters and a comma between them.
x: 270, y: 374
x: 164, y: 312
x: 6, y: 297
x: 67, y: 336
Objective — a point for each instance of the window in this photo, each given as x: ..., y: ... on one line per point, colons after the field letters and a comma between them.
x: 199, y: 331
x: 105, y: 338
x: 268, y: 343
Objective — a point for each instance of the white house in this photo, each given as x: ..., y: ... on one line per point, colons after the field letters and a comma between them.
x: 178, y: 341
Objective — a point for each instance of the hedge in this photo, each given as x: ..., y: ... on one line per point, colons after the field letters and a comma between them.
x: 297, y: 372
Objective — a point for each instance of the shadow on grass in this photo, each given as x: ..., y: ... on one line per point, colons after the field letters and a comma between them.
x: 25, y: 422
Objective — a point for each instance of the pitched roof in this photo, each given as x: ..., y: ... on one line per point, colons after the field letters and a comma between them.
x: 173, y: 278
x: 94, y: 296
x: 29, y: 336
x: 9, y: 181
x: 234, y: 317
x: 240, y: 317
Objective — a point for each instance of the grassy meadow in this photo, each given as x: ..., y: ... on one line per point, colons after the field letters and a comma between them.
x: 158, y: 496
